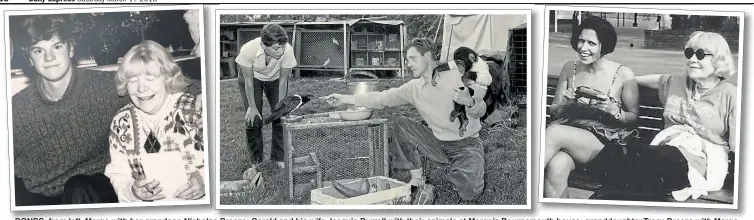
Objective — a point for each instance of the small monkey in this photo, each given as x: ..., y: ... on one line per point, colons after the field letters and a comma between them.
x: 463, y: 56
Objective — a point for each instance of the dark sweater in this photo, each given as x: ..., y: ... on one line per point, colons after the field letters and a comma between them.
x: 56, y: 140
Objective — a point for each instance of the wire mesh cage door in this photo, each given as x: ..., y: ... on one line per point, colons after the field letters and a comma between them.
x: 344, y: 150
x: 322, y: 49
x: 518, y: 60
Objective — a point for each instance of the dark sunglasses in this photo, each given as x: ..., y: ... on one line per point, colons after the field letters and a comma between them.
x: 699, y: 53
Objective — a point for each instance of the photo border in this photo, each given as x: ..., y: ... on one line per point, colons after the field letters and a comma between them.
x: 50, y: 9
x: 634, y: 9
x: 231, y: 9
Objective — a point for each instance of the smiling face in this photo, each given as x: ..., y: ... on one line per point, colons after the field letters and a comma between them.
x: 148, y: 90
x: 51, y: 58
x: 417, y: 62
x: 589, y: 47
x: 700, y: 69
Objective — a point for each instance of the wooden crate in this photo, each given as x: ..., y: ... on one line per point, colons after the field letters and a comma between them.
x: 399, y: 192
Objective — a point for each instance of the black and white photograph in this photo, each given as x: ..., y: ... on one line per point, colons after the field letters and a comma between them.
x: 107, y: 107
x: 333, y: 110
x: 642, y: 107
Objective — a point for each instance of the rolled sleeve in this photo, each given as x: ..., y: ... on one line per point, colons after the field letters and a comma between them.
x: 477, y: 110
x: 480, y: 107
x: 663, y: 87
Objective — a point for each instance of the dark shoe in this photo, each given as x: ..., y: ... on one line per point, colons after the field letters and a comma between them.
x: 425, y: 195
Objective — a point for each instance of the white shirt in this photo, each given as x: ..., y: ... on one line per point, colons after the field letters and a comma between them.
x: 252, y: 54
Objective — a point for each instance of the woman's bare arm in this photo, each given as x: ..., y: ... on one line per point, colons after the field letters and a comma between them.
x: 565, y: 73
x: 629, y: 96
x: 650, y: 81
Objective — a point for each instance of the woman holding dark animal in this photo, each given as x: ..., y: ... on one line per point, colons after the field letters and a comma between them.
x: 700, y: 118
x: 595, y: 104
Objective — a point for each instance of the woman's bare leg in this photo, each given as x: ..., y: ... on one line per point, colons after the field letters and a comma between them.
x: 556, y: 175
x: 580, y: 144
x: 566, y: 146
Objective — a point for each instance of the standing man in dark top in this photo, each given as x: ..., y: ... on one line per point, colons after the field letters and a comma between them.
x: 60, y: 121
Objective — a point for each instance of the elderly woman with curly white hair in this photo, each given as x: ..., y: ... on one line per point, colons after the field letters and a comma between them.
x: 689, y: 157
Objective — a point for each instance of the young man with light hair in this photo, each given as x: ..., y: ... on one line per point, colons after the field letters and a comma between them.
x: 440, y: 140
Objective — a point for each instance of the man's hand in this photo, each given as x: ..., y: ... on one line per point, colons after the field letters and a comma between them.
x: 463, y: 97
x: 251, y: 113
x: 147, y: 190
x: 193, y: 189
x: 339, y: 99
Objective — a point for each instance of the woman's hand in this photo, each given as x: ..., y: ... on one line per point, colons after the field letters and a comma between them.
x: 339, y: 99
x: 147, y: 190
x: 193, y: 189
x: 609, y: 106
x: 569, y: 94
x: 198, y: 108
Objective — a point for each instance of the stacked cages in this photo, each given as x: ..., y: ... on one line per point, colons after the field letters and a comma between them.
x: 344, y: 150
x: 517, y: 60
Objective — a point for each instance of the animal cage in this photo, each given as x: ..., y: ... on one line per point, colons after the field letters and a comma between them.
x: 517, y: 59
x: 344, y: 150
x: 352, y: 45
x: 322, y: 46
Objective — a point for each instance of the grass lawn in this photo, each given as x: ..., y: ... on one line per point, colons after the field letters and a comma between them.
x: 506, y: 151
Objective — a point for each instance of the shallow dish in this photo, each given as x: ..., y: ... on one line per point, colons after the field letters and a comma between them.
x: 355, y: 114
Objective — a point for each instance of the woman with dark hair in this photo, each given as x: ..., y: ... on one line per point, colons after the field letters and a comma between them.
x: 595, y: 104
x: 266, y: 63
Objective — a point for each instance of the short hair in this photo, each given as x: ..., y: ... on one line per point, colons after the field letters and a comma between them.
x: 149, y: 57
x: 274, y: 34
x: 424, y: 45
x: 715, y: 44
x: 44, y: 27
x: 605, y: 34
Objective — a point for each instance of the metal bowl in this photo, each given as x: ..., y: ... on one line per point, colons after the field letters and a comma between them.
x: 355, y: 114
x: 362, y: 87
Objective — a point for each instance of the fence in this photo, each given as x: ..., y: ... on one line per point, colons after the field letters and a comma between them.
x: 517, y: 60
